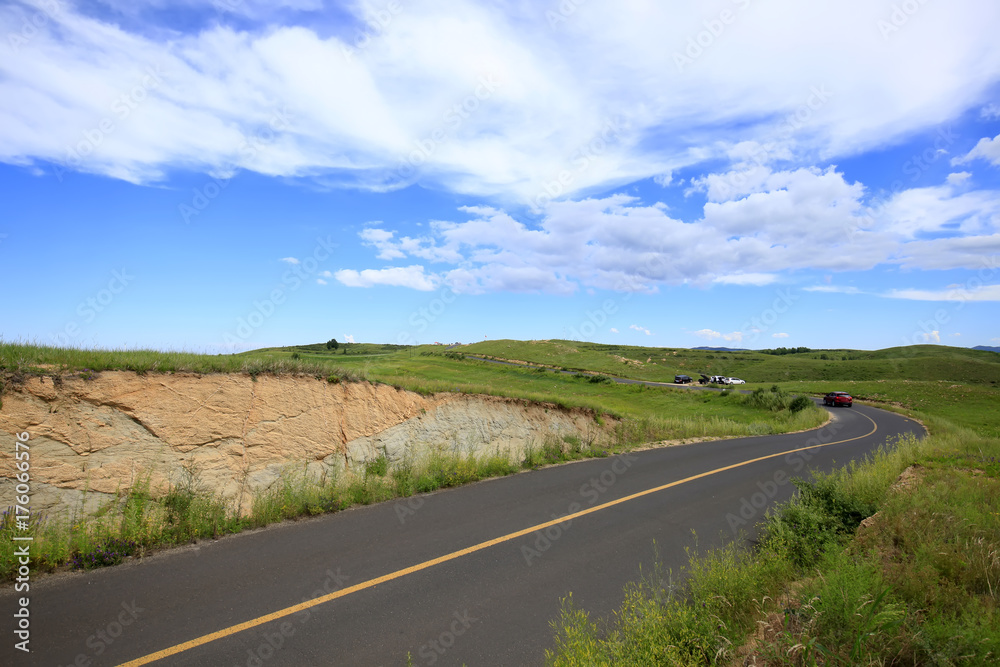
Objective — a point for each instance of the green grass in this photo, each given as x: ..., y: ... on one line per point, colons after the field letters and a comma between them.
x: 919, y: 586
x: 973, y: 406
x: 650, y: 412
x: 917, y: 362
x: 135, y: 522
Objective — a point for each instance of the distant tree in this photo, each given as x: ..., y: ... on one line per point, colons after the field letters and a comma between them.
x: 332, y: 344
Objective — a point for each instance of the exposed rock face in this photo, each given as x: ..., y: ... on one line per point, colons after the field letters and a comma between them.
x: 90, y: 438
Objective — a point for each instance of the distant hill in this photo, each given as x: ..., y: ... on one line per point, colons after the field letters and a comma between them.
x: 987, y: 348
x: 912, y: 362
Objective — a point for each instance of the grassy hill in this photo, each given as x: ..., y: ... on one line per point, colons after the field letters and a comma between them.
x: 917, y: 362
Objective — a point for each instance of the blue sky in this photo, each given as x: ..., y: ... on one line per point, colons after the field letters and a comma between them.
x: 237, y: 174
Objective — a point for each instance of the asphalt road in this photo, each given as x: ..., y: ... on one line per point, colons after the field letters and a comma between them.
x: 460, y: 576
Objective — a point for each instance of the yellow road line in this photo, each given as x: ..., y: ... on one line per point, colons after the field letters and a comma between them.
x: 287, y: 611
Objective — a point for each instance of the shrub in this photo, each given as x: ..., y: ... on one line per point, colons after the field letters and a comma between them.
x: 377, y: 467
x: 799, y: 403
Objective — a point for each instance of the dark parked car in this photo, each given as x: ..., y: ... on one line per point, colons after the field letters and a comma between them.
x: 682, y: 379
x: 836, y: 398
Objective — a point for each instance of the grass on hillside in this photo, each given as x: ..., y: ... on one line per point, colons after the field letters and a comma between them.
x: 919, y: 584
x: 136, y: 520
x: 917, y: 362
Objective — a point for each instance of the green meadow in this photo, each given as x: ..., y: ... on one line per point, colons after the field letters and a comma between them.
x: 918, y: 583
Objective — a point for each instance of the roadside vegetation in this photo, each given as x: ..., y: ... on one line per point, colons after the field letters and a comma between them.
x: 914, y: 363
x: 891, y: 561
x: 138, y: 519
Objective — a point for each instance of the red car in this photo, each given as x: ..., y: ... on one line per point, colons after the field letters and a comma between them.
x: 836, y: 398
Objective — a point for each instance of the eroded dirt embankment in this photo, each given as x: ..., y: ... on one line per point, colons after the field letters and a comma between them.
x: 236, y: 435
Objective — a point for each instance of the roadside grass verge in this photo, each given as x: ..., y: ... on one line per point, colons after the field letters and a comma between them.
x: 136, y: 521
x: 20, y: 360
x: 917, y: 584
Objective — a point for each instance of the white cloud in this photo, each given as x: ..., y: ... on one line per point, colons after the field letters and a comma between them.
x: 779, y: 335
x: 320, y: 281
x: 613, y: 330
x: 987, y: 149
x: 832, y: 289
x: 958, y: 178
x: 325, y: 274
x: 709, y: 334
x: 584, y: 97
x: 644, y: 330
x: 756, y: 279
x: 956, y: 335
x: 815, y: 219
x: 990, y: 112
x: 399, y: 276
x: 348, y: 338
x: 290, y: 260
x: 955, y: 293
x: 664, y: 179
x: 932, y: 337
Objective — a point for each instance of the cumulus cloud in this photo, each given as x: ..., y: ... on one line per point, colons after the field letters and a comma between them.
x: 473, y: 98
x: 815, y: 219
x: 779, y: 335
x: 644, y: 330
x: 348, y: 338
x: 399, y: 276
x: 707, y: 334
x: 613, y: 330
x: 290, y: 260
x: 987, y: 149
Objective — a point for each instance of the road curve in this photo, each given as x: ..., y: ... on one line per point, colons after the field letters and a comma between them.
x: 469, y: 575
